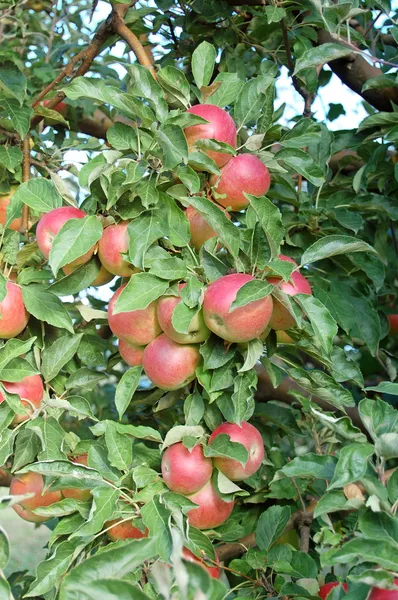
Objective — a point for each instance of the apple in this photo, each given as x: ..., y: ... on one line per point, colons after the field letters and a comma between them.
x: 16, y: 224
x: 13, y: 315
x: 103, y: 277
x: 220, y: 127
x: 383, y: 594
x: 212, y: 511
x: 199, y: 228
x: 76, y: 493
x: 190, y: 557
x: 51, y: 223
x: 169, y: 365
x: 327, y: 587
x: 32, y: 483
x: 30, y: 389
x: 243, y: 173
x: 281, y: 318
x: 136, y: 327
x: 114, y: 241
x: 251, y: 439
x: 197, y: 331
x: 284, y: 338
x: 124, y: 530
x: 393, y: 320
x: 131, y: 353
x: 185, y: 471
x: 60, y: 108
x: 242, y: 324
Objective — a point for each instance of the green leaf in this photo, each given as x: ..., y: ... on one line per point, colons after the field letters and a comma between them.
x: 304, y: 133
x: 242, y: 397
x: 84, y: 378
x: 17, y: 369
x: 39, y: 194
x: 229, y: 87
x: 174, y: 82
x: 352, y: 464
x: 335, y: 501
x: 251, y: 99
x: 378, y: 416
x: 10, y: 157
x: 323, y: 324
x: 333, y: 245
x: 104, y: 504
x: 17, y: 116
x: 311, y: 466
x: 58, y: 354
x: 140, y: 291
x: 302, y: 163
x: 45, y: 306
x: 270, y: 219
x: 321, y: 55
x: 126, y: 388
x: 51, y: 436
x: 254, y: 351
x: 379, y: 119
x: 250, y: 292
x: 143, y: 232
x: 302, y: 565
x: 274, y: 14
x: 377, y: 552
x: 222, y: 446
x: 13, y: 348
x: 214, y: 353
x: 385, y: 387
x: 4, y: 549
x: 169, y: 268
x: 379, y: 526
x: 271, y: 525
x: 322, y: 385
x: 74, y: 239
x: 173, y: 145
x: 12, y: 82
x: 189, y: 178
x: 203, y: 61
x: 175, y: 223
x: 156, y: 517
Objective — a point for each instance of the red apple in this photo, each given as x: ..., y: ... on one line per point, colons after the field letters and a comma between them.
x: 32, y: 483
x: 114, y: 241
x: 169, y: 365
x: 242, y: 324
x: 243, y: 173
x: 213, y: 571
x: 393, y: 320
x: 124, y: 530
x: 251, y: 439
x: 185, y: 471
x: 103, y: 277
x: 327, y: 587
x: 200, y: 229
x: 30, y: 389
x: 212, y: 511
x: 13, y: 315
x: 136, y: 327
x: 4, y: 202
x: 76, y: 493
x: 383, y: 594
x: 51, y: 223
x: 197, y: 331
x: 131, y: 354
x: 60, y: 108
x: 281, y: 318
x: 220, y: 127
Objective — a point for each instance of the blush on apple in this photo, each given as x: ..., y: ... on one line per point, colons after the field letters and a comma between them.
x: 213, y: 571
x: 212, y: 511
x: 77, y: 493
x: 197, y: 331
x: 32, y: 483
x: 124, y: 530
x: 383, y: 594
x: 251, y: 439
x: 131, y: 354
x: 30, y: 389
x: 114, y: 242
x: 13, y: 315
x: 4, y: 202
x: 185, y: 471
x: 393, y: 320
x: 325, y: 589
x: 199, y: 228
x: 169, y: 365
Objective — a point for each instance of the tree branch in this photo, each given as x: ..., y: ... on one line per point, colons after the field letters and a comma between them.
x: 131, y: 39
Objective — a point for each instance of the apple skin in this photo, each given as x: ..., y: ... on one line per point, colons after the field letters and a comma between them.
x: 114, y: 240
x: 221, y: 127
x: 131, y: 354
x: 327, y: 587
x: 243, y: 173
x: 212, y: 511
x: 16, y: 224
x: 184, y: 471
x: 189, y: 556
x: 76, y: 493
x: 251, y: 439
x: 136, y: 327
x: 281, y: 319
x: 29, y: 388
x: 13, y: 315
x: 32, y: 483
x: 200, y: 229
x: 198, y: 331
x: 383, y: 594
x: 242, y: 324
x: 103, y: 277
x: 51, y: 223
x: 169, y: 365
x: 124, y: 530
x: 284, y: 338
x: 393, y: 320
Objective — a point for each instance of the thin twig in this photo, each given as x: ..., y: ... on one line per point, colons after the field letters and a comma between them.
x: 372, y: 23
x: 25, y: 177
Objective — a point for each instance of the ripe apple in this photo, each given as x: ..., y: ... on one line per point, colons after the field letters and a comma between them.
x: 185, y: 471
x: 197, y: 331
x: 114, y: 241
x: 60, y: 108
x: 13, y: 315
x: 169, y: 365
x: 383, y: 594
x: 212, y: 511
x: 51, y: 223
x: 136, y: 327
x: 243, y: 173
x: 200, y: 229
x: 124, y: 530
x: 213, y: 571
x: 32, y: 483
x: 103, y: 277
x: 131, y: 354
x: 281, y: 318
x: 4, y: 202
x: 30, y: 389
x: 393, y: 320
x: 242, y: 324
x: 76, y: 493
x: 251, y: 439
x: 327, y: 587
x: 220, y: 127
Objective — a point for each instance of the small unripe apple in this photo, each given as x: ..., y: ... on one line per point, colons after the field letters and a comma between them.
x: 393, y: 320
x: 197, y: 331
x: 32, y: 483
x: 124, y: 530
x: 220, y: 127
x: 242, y: 324
x: 243, y: 173
x: 212, y: 511
x: 284, y: 338
x: 51, y: 223
x: 247, y: 435
x: 131, y: 354
x: 213, y: 571
x: 76, y: 493
x: 60, y: 108
x: 327, y: 587
x: 185, y: 471
x: 199, y: 228
x: 383, y: 594
x: 13, y: 315
x: 114, y: 241
x: 281, y: 318
x: 103, y: 277
x: 136, y: 327
x: 169, y: 365
x: 4, y: 202
x: 30, y: 389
